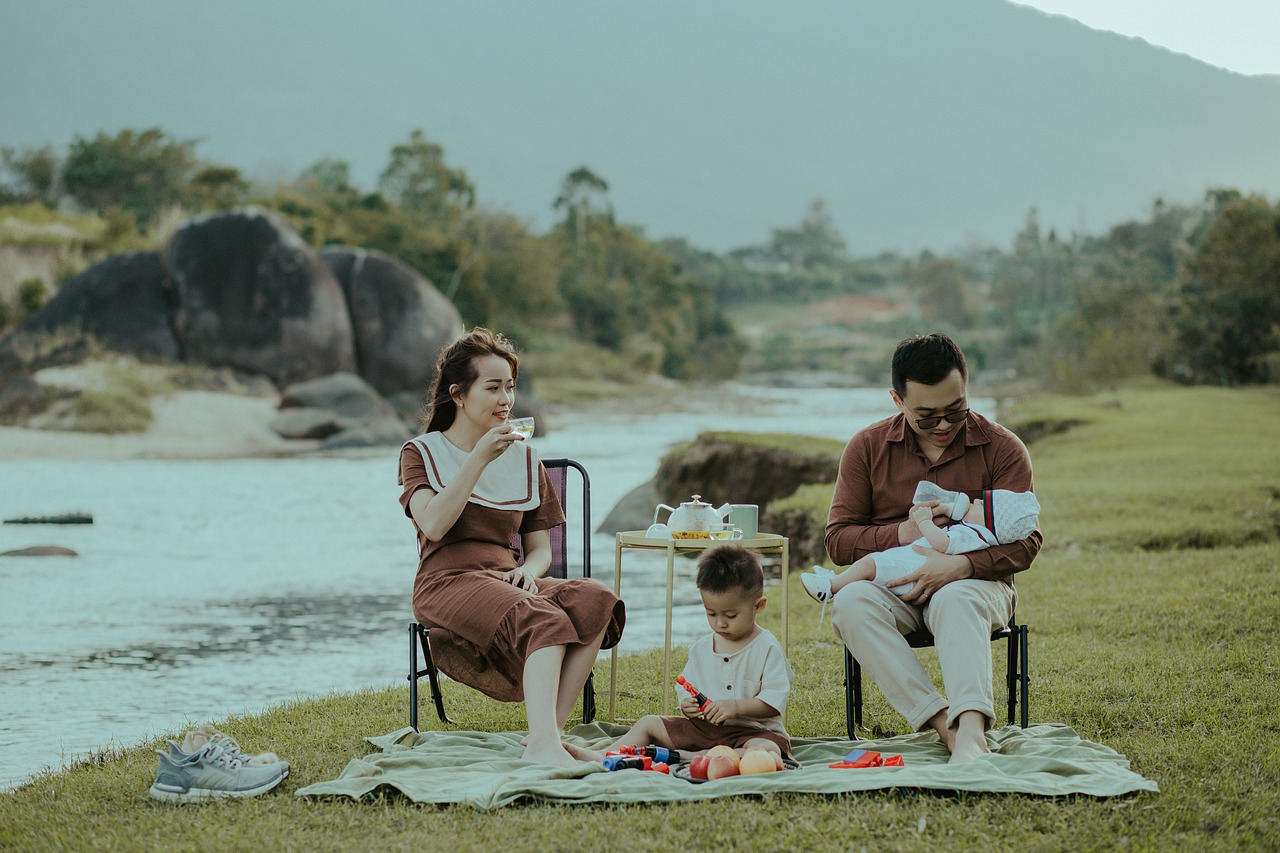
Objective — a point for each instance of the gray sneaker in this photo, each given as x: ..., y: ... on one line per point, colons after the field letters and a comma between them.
x: 197, y: 738
x: 216, y: 771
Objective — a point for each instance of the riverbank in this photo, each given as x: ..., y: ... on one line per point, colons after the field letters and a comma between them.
x: 1161, y: 648
x: 226, y: 424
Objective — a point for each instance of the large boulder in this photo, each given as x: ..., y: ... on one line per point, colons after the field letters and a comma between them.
x: 124, y: 303
x: 252, y: 295
x: 343, y: 409
x: 20, y: 395
x: 399, y: 320
x: 745, y: 468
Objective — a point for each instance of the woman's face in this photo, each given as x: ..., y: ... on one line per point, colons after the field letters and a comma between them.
x: 487, y: 403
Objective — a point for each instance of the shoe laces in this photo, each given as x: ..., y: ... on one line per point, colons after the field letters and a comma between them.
x: 224, y: 752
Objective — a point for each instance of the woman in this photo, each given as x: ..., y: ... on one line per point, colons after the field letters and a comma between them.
x: 470, y: 485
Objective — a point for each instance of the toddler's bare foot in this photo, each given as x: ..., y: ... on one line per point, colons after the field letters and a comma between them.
x: 583, y: 754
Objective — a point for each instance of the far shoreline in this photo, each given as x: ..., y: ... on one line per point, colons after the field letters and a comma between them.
x: 193, y: 425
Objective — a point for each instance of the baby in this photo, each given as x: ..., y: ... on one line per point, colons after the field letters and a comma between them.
x: 996, y: 518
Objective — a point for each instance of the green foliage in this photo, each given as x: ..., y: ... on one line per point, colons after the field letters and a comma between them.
x: 215, y: 188
x: 617, y: 286
x: 943, y: 293
x: 32, y: 294
x: 1227, y: 309
x: 110, y: 411
x: 418, y: 181
x: 141, y: 172
x: 36, y: 172
x: 583, y: 198
x: 815, y: 244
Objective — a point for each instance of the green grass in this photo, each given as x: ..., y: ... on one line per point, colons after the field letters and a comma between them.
x: 1165, y: 652
x: 801, y: 445
x: 1158, y: 468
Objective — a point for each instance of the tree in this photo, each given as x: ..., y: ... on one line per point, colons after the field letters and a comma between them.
x: 816, y: 243
x: 418, y: 180
x: 327, y: 175
x: 139, y: 172
x: 37, y: 172
x: 584, y: 196
x: 1228, y: 307
x: 943, y: 293
x: 215, y: 188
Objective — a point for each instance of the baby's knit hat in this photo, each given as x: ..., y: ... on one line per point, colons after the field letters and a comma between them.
x: 1009, y: 515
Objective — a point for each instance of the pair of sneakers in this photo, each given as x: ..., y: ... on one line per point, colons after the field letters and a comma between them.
x: 209, y: 765
x: 817, y: 582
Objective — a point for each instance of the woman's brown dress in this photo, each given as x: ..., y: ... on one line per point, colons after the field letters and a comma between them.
x: 483, y: 628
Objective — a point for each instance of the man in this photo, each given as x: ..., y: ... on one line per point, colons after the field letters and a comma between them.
x: 959, y: 598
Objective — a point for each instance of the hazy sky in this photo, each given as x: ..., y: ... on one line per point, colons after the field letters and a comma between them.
x: 1239, y: 35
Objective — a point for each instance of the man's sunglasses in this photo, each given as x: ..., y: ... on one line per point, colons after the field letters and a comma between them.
x: 950, y: 417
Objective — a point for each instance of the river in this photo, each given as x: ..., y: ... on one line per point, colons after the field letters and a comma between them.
x: 213, y: 587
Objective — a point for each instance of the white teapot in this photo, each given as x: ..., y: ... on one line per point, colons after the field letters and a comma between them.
x: 693, y: 519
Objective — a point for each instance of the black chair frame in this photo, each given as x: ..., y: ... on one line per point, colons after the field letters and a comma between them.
x: 1017, y: 679
x: 419, y: 634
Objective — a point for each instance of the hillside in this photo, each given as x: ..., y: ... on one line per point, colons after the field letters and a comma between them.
x: 924, y: 123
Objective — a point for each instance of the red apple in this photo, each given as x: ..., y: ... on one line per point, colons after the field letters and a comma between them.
x: 720, y: 766
x: 698, y: 767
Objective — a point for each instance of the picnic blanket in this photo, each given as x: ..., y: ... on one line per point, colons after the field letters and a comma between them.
x: 484, y: 769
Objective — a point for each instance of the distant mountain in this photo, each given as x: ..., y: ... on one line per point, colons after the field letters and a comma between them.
x: 923, y: 123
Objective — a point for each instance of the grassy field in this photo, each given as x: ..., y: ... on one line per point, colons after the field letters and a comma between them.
x: 1153, y: 612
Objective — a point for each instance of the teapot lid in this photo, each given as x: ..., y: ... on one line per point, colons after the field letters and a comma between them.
x: 697, y: 501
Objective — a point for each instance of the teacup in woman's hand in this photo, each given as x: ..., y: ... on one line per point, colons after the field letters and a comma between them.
x: 522, y: 427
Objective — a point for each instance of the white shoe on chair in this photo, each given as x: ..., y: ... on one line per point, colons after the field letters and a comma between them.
x: 818, y: 584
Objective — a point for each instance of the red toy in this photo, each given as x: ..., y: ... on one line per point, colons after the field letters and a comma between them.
x: 635, y: 762
x: 859, y: 758
x: 698, y: 696
x: 659, y: 754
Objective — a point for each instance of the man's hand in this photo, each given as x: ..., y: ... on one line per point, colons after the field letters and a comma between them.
x: 720, y: 711
x: 938, y: 570
x: 689, y: 707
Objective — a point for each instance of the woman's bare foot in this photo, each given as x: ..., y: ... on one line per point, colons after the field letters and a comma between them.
x: 969, y: 740
x: 583, y: 754
x: 967, y: 750
x: 552, y: 754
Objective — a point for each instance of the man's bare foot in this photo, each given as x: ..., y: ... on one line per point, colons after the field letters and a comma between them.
x: 583, y: 754
x: 552, y: 754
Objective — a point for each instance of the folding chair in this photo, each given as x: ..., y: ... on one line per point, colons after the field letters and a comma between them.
x: 419, y: 635
x: 1017, y: 678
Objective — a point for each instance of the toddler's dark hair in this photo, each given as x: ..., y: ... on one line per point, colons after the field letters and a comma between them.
x: 727, y: 567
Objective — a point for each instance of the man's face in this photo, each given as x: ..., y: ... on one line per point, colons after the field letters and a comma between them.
x: 930, y: 401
